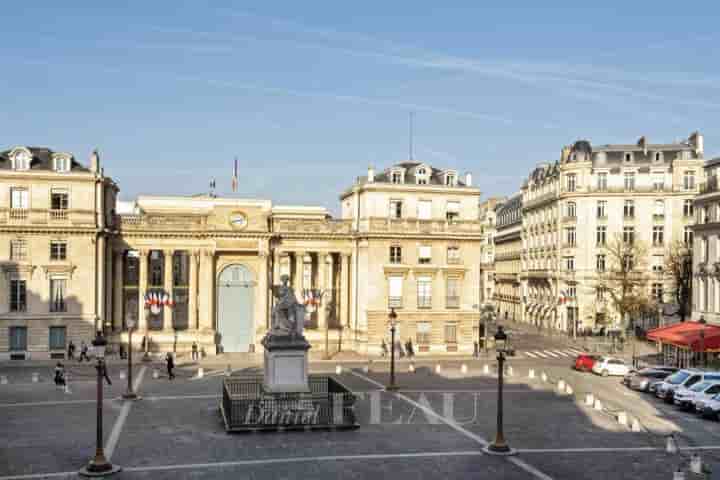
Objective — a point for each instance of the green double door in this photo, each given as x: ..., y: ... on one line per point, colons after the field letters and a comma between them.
x: 235, y: 309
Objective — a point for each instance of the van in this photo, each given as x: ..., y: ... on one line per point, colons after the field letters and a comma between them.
x: 686, y: 378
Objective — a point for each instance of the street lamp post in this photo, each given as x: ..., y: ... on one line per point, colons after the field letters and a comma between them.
x: 99, y: 466
x: 393, y: 324
x: 130, y: 394
x: 702, y: 341
x: 499, y: 446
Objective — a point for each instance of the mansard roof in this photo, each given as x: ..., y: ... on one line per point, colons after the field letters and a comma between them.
x: 410, y: 174
x: 42, y: 159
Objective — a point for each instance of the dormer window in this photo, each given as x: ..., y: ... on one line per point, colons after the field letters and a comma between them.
x: 658, y: 156
x: 61, y: 163
x: 421, y: 176
x: 628, y: 157
x: 21, y: 160
x: 450, y: 179
x: 396, y: 177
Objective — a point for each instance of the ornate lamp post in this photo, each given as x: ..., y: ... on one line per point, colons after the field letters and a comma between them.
x: 702, y: 340
x: 392, y: 320
x: 130, y: 394
x: 499, y: 446
x: 99, y: 466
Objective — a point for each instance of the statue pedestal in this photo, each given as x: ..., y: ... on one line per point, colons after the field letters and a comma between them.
x: 286, y: 364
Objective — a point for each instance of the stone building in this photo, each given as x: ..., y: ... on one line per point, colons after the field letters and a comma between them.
x: 487, y: 247
x: 56, y: 219
x: 706, y: 248
x: 200, y: 268
x: 508, y: 252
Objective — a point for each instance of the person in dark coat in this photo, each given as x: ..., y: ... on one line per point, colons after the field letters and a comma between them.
x: 409, y: 348
x: 383, y: 349
x: 170, y: 365
x: 83, y: 352
x: 399, y: 348
x: 59, y: 375
x: 71, y: 350
x: 194, y: 351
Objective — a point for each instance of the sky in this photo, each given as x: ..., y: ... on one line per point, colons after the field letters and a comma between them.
x: 307, y: 95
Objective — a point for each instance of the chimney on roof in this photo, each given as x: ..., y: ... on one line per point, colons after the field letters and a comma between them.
x: 468, y: 179
x: 371, y: 174
x: 697, y: 141
x: 642, y: 143
x: 95, y: 161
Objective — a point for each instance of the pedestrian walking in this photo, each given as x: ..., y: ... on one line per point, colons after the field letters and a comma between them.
x: 59, y: 375
x: 71, y: 350
x: 383, y: 349
x: 399, y: 348
x: 170, y: 365
x: 409, y: 348
x: 194, y: 351
x: 83, y: 352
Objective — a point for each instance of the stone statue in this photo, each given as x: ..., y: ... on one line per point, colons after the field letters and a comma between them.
x: 288, y: 316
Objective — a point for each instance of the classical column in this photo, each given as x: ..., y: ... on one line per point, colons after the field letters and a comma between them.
x: 298, y: 280
x: 208, y: 280
x: 261, y: 324
x: 322, y: 285
x: 100, y: 284
x: 142, y: 289
x: 192, y: 299
x: 276, y: 267
x: 168, y: 287
x: 118, y: 290
x: 344, y: 289
x: 331, y: 295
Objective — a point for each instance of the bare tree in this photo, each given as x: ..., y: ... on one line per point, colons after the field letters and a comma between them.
x: 678, y: 264
x: 625, y: 279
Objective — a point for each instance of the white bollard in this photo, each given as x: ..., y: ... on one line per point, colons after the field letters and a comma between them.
x: 561, y: 386
x: 531, y: 373
x: 589, y: 399
x: 696, y: 463
x: 411, y: 368
x: 228, y: 371
x: 156, y: 373
x: 622, y: 418
x: 635, y: 425
x: 366, y: 368
x: 463, y: 369
x: 543, y: 377
x: 200, y: 372
x: 67, y: 388
x: 3, y: 380
x: 438, y: 368
x: 568, y: 389
x: 122, y: 374
x: 679, y: 475
x: 35, y: 377
x: 671, y: 445
x: 598, y: 404
x: 486, y: 369
x: 338, y: 370
x: 509, y: 371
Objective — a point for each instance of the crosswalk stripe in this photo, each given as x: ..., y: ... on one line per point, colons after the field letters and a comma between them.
x: 576, y: 351
x: 530, y: 354
x: 563, y: 353
x: 540, y: 354
x: 551, y: 353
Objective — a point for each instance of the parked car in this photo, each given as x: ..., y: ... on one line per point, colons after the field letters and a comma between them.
x: 584, y: 362
x: 610, y: 366
x: 685, y: 397
x: 643, y: 379
x: 683, y: 378
x: 709, y: 408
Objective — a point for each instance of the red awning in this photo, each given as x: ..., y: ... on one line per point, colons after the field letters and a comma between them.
x: 687, y: 335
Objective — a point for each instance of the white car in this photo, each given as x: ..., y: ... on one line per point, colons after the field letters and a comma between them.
x: 686, y: 397
x: 610, y: 366
x: 709, y: 407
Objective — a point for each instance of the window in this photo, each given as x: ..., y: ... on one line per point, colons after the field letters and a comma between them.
x: 600, y: 294
x: 658, y: 156
x: 451, y: 333
x: 21, y: 160
x: 19, y: 198
x: 659, y: 210
x: 453, y: 255
x: 155, y: 266
x: 395, y: 286
x: 450, y: 180
x: 452, y: 210
x: 689, y: 180
x: 704, y: 249
x: 18, y: 339
x: 18, y: 250
x: 18, y: 299
x: 601, y: 235
x: 396, y: 208
x: 423, y: 333
x: 571, y: 210
x: 58, y: 250
x: 628, y: 263
x: 571, y: 180
x: 629, y: 181
x: 658, y: 235
x: 658, y: 263
x: 572, y: 292
x: 57, y: 295
x: 57, y: 338
x: 629, y: 235
x: 658, y: 181
x: 570, y: 264
x: 570, y: 236
x: 396, y: 177
x: 61, y: 163
x: 452, y: 293
x: 688, y: 236
x: 395, y: 254
x: 424, y: 210
x: 688, y: 209
x: 600, y: 263
x: 601, y: 208
x: 602, y: 181
x: 131, y: 265
x: 58, y: 199
x: 425, y: 254
x: 657, y: 291
x: 628, y: 157
x: 629, y: 209
x: 424, y: 292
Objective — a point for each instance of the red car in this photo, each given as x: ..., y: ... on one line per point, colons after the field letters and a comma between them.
x: 584, y: 362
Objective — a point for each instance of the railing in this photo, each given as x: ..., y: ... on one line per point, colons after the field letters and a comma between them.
x: 160, y: 221
x: 452, y: 302
x: 408, y: 225
x: 710, y: 186
x: 309, y: 226
x: 395, y: 302
x: 57, y: 215
x: 19, y: 214
x: 424, y: 302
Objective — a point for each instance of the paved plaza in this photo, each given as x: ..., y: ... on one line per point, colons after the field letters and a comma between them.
x: 434, y: 427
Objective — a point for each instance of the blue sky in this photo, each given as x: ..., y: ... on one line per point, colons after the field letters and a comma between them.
x: 308, y: 94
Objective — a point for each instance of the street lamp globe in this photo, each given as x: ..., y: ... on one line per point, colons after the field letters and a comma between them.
x: 392, y: 317
x: 500, y: 339
x: 99, y: 343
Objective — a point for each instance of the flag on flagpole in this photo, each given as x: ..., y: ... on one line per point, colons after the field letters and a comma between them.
x: 235, y: 177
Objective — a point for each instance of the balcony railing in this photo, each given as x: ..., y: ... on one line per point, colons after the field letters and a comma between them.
x: 19, y: 214
x: 45, y: 216
x: 395, y: 302
x: 57, y: 215
x: 424, y: 302
x: 412, y: 225
x: 452, y: 302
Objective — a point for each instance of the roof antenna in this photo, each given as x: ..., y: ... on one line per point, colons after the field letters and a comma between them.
x: 411, y: 136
